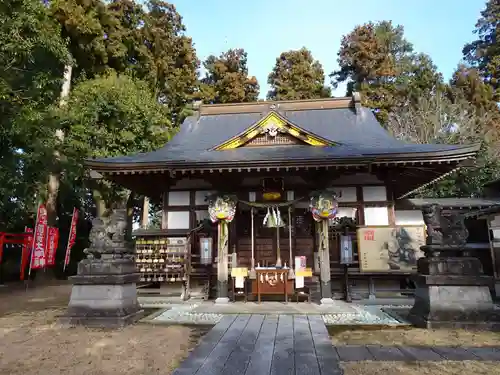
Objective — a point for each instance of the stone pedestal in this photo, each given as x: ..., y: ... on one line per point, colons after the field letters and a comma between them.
x: 222, y: 292
x: 104, y: 294
x: 452, y: 292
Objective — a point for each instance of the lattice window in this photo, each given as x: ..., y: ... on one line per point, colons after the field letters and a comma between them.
x: 267, y: 140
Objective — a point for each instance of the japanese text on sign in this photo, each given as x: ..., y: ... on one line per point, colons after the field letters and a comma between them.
x: 370, y: 235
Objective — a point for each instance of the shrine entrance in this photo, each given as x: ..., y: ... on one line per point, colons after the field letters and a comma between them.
x: 263, y: 245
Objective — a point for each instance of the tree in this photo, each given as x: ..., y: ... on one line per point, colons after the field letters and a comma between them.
x: 109, y: 116
x: 376, y: 60
x: 168, y: 61
x: 32, y: 57
x: 438, y: 119
x: 226, y: 79
x: 84, y: 24
x: 296, y: 75
x: 484, y: 52
x: 468, y: 83
x: 145, y: 41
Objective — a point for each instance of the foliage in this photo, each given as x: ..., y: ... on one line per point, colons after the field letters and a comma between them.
x: 32, y: 58
x: 146, y: 42
x: 484, y: 52
x: 438, y: 119
x: 468, y: 83
x: 376, y: 60
x: 226, y: 79
x: 109, y: 116
x: 296, y: 75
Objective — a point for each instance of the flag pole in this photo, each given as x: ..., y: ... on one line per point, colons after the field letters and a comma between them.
x: 31, y: 248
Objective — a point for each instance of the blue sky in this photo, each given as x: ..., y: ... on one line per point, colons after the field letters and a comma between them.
x: 264, y: 29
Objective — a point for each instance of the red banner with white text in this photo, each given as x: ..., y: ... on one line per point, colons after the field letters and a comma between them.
x: 72, y: 236
x: 38, y: 259
x: 51, y: 248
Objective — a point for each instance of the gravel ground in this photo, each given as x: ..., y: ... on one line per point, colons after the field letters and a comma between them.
x: 181, y: 314
x: 32, y: 341
x: 364, y: 315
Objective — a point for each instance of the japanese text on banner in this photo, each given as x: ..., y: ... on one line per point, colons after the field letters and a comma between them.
x: 52, y: 242
x: 39, y: 239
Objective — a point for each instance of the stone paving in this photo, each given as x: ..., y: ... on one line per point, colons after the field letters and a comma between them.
x: 275, y: 344
x: 264, y: 345
x: 350, y: 353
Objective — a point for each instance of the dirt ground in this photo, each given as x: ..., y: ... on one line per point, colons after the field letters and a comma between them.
x: 32, y: 341
x: 415, y: 336
x: 421, y: 368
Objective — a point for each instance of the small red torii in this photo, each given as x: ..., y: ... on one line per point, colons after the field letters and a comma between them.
x: 23, y: 239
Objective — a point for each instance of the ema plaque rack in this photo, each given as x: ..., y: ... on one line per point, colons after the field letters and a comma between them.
x: 162, y: 259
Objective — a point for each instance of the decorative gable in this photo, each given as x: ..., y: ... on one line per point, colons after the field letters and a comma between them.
x: 273, y: 130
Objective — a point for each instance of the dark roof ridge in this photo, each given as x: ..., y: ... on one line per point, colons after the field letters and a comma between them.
x: 282, y: 105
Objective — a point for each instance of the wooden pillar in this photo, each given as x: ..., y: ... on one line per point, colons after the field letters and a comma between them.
x: 164, y: 211
x: 391, y: 213
x: 145, y: 213
x: 222, y: 260
x: 325, y: 276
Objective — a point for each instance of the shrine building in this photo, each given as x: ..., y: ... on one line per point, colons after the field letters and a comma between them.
x: 305, y: 197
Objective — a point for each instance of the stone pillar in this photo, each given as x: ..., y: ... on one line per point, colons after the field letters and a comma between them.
x: 325, y: 276
x: 452, y: 290
x: 222, y: 266
x: 494, y: 227
x: 104, y: 289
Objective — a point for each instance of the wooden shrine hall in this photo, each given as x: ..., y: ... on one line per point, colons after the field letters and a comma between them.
x: 281, y: 199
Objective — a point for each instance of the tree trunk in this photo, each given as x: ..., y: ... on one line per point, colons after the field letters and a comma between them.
x: 54, y: 178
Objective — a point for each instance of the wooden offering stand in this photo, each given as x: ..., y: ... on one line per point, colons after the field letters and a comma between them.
x: 272, y: 281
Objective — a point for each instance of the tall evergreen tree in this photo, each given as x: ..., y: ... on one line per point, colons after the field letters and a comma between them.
x: 226, y: 79
x: 146, y: 40
x: 296, y: 75
x: 484, y: 52
x: 376, y: 60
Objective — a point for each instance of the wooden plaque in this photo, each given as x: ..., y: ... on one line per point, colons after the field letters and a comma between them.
x: 390, y: 249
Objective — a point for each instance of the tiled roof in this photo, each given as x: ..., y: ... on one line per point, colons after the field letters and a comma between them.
x: 354, y: 129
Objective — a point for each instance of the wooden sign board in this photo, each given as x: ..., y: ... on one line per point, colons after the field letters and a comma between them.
x: 305, y: 272
x: 390, y: 249
x: 239, y: 272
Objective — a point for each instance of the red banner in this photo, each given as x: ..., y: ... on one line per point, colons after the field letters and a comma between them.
x: 52, y: 241
x: 38, y: 259
x: 72, y: 236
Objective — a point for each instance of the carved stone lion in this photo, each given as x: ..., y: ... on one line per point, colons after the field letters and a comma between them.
x: 444, y: 230
x: 108, y: 235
